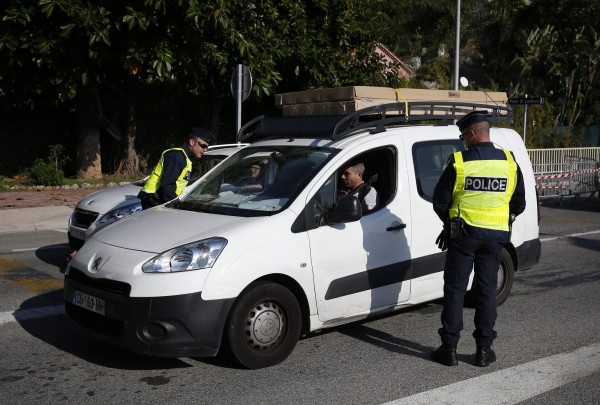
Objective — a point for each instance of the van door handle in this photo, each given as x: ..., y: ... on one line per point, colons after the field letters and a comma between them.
x: 395, y: 227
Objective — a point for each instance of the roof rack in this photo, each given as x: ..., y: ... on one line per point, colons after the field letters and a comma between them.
x: 399, y: 113
x: 338, y: 127
x: 337, y: 113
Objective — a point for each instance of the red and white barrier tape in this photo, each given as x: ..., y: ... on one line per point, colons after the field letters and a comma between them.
x: 552, y: 187
x: 558, y: 176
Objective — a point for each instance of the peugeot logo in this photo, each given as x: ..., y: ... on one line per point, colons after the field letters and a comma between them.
x: 96, y: 264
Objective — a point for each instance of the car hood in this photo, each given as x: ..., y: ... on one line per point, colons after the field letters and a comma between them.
x: 158, y: 229
x: 109, y: 199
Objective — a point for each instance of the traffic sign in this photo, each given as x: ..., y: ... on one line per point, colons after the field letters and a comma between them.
x: 241, y: 82
x: 525, y: 100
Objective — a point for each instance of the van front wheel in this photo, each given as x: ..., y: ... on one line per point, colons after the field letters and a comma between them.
x: 264, y: 325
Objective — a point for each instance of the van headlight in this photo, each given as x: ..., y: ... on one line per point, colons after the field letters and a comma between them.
x: 192, y: 256
x: 120, y: 213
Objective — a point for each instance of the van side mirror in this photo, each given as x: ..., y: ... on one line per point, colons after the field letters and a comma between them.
x: 347, y: 209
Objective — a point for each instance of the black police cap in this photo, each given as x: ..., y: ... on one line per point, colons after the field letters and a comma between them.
x: 203, y: 134
x: 472, y: 118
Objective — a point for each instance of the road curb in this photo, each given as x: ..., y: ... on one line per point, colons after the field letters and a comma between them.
x: 34, y: 219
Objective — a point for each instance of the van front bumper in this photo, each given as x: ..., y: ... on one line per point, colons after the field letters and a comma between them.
x: 173, y: 326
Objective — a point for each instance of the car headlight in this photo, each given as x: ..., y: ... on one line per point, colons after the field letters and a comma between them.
x: 122, y: 212
x: 192, y: 256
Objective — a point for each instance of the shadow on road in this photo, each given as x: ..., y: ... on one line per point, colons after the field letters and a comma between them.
x: 55, y: 255
x: 58, y: 331
x: 589, y: 204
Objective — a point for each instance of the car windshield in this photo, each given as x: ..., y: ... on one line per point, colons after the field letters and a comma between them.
x: 256, y: 181
x: 202, y: 165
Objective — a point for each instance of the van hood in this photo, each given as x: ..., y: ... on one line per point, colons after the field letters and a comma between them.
x: 161, y: 228
x: 110, y: 199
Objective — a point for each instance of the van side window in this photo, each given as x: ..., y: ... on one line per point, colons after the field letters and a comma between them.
x: 430, y: 160
x: 380, y: 173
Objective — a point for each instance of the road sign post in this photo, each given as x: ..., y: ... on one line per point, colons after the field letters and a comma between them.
x: 525, y: 101
x: 241, y: 84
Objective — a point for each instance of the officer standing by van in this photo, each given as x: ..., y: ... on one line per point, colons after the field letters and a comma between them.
x: 171, y: 174
x: 477, y: 197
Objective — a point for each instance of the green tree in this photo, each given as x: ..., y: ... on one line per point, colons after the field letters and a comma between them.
x: 546, y: 48
x: 109, y: 59
x: 420, y: 27
x: 561, y: 63
x: 437, y: 72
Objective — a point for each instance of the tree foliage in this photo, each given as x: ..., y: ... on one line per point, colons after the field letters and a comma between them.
x: 562, y: 63
x: 544, y: 48
x: 109, y: 57
x: 132, y: 77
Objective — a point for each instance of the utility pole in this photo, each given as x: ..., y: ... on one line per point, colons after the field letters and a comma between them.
x: 525, y: 122
x: 457, y: 45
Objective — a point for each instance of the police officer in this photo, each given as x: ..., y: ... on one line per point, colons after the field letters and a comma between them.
x: 477, y: 197
x: 171, y: 174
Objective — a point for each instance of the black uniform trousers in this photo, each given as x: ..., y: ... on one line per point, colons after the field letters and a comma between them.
x: 460, y: 258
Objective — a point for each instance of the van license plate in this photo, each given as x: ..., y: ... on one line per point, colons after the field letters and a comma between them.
x: 88, y: 302
x: 77, y: 233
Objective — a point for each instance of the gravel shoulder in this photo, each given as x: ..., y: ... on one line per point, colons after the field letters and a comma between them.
x: 44, y: 198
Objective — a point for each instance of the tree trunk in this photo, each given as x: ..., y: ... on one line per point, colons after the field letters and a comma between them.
x: 129, y: 164
x: 89, y: 164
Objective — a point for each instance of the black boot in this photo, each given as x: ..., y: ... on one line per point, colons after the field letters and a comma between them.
x: 445, y: 354
x: 484, y: 356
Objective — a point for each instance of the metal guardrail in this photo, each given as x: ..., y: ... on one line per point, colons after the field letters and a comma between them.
x: 567, y: 172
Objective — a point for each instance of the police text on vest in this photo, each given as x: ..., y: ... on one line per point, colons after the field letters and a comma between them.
x: 494, y: 184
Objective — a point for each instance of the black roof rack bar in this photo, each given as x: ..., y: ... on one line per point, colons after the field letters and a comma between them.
x: 427, y: 110
x: 241, y: 136
x: 378, y: 117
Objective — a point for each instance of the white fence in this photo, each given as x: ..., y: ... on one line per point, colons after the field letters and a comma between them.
x: 566, y: 172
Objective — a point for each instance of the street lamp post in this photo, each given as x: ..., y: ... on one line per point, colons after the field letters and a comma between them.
x: 457, y: 45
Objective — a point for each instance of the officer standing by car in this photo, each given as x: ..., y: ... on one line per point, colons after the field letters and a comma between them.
x: 477, y: 197
x: 171, y: 174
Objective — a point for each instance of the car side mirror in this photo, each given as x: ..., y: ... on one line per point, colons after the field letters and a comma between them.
x: 347, y: 209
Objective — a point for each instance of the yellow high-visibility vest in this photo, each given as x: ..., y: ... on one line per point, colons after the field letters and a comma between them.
x: 483, y: 189
x: 153, y: 182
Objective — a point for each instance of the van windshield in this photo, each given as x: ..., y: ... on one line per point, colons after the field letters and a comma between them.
x: 256, y: 181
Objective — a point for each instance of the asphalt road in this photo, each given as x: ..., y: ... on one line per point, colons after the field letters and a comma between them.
x: 548, y: 342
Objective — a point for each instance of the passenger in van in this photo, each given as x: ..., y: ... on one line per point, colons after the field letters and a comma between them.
x: 477, y: 197
x: 171, y: 174
x: 253, y: 180
x: 352, y: 180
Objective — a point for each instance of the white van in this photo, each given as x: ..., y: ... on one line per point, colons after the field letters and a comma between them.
x: 249, y: 271
x: 102, y: 208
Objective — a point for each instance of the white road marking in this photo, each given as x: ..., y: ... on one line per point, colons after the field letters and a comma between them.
x: 32, y: 313
x: 573, y: 235
x: 24, y: 249
x: 29, y: 249
x: 507, y: 386
x: 515, y: 384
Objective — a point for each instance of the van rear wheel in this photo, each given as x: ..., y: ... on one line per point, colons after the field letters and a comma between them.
x: 506, y: 274
x: 264, y: 325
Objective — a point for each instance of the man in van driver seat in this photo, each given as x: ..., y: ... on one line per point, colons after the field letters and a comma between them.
x: 352, y: 179
x: 477, y: 197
